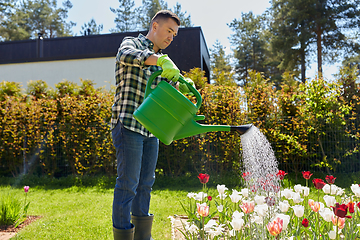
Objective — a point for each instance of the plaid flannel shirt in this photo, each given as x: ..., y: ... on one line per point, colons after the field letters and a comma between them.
x: 131, y: 76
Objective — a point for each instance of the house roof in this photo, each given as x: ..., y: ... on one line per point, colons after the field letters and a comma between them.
x: 188, y: 50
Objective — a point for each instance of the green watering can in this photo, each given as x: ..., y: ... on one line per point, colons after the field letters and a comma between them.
x: 170, y: 116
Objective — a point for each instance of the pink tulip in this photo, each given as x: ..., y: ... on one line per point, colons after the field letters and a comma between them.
x: 275, y: 227
x: 247, y: 206
x: 340, y: 222
x: 26, y: 188
x: 202, y: 209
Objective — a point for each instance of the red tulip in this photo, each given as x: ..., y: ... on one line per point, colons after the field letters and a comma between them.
x: 350, y: 206
x: 281, y: 174
x: 204, y: 178
x: 305, y: 222
x: 246, y: 176
x: 358, y: 205
x: 330, y: 179
x: 340, y: 210
x: 209, y: 198
x: 306, y: 174
x: 318, y: 183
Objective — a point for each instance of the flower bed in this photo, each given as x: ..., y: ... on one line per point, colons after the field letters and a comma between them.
x: 287, y: 213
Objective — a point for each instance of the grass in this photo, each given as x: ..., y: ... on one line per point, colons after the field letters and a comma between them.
x: 80, y: 208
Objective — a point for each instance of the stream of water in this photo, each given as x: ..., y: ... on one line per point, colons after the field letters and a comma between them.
x: 260, y: 164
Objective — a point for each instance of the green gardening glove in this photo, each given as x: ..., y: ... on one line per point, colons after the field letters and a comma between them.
x: 170, y: 70
x: 183, y: 88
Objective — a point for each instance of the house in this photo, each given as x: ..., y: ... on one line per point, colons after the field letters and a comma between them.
x: 89, y: 57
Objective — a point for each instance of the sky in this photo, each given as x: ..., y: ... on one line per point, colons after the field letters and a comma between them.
x: 211, y: 15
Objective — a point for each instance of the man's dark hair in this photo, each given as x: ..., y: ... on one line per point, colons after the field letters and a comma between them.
x: 164, y: 15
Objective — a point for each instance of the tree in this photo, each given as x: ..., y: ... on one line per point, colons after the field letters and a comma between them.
x: 291, y: 37
x: 184, y: 20
x: 220, y: 65
x: 32, y: 17
x: 148, y: 10
x: 326, y: 23
x: 125, y: 16
x: 91, y: 28
x: 250, y: 45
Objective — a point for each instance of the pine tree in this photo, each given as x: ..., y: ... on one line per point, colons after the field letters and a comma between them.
x: 91, y: 28
x: 125, y: 16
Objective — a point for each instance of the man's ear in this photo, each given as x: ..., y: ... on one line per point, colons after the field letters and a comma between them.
x: 154, y: 26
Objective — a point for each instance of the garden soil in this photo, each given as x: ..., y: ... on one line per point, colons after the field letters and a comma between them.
x: 7, y: 232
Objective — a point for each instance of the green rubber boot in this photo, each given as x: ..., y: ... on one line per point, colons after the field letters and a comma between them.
x: 142, y: 227
x: 124, y: 234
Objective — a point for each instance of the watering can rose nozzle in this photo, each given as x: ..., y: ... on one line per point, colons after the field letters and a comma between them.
x: 241, y: 129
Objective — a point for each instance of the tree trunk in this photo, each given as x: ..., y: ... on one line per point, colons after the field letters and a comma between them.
x: 303, y: 66
x: 319, y: 50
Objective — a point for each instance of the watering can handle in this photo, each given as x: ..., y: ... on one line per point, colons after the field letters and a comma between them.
x: 148, y: 89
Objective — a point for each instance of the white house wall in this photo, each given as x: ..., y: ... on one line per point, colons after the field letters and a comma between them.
x: 100, y: 70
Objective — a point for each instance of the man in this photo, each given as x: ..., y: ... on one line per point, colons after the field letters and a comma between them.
x: 136, y: 148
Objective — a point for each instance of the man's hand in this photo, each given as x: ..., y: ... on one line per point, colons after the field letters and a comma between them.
x: 183, y: 88
x: 170, y: 70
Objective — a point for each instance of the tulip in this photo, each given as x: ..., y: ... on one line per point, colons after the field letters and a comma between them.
x: 281, y: 174
x: 326, y: 214
x: 204, y: 178
x: 305, y: 222
x: 340, y: 210
x: 287, y: 193
x: 355, y: 188
x: 296, y: 198
x: 298, y: 188
x: 26, y: 188
x: 237, y: 223
x: 209, y: 198
x: 307, y: 174
x: 332, y: 234
x: 285, y: 218
x: 284, y: 206
x: 315, y: 206
x: 235, y: 196
x: 338, y: 221
x: 247, y: 206
x: 245, y: 192
x: 318, y: 183
x: 275, y: 227
x: 329, y: 200
x: 306, y: 191
x: 358, y: 205
x: 350, y: 206
x: 220, y: 208
x: 221, y: 189
x: 261, y: 210
x: 202, y: 209
x: 259, y: 199
x: 330, y: 179
x: 246, y: 176
x: 298, y: 210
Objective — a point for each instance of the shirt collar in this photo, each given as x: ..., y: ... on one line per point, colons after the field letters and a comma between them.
x: 146, y: 42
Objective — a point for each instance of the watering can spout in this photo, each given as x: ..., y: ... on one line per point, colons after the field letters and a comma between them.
x: 241, y: 129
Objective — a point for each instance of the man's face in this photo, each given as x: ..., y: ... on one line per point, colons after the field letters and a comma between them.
x: 164, y: 33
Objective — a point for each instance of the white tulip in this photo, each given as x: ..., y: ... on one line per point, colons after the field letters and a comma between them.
x: 329, y: 200
x: 191, y: 195
x: 237, y: 223
x: 237, y: 214
x: 235, y: 196
x: 192, y: 229
x: 259, y: 199
x: 284, y: 206
x: 326, y: 214
x: 355, y: 188
x: 261, y: 210
x: 285, y: 218
x: 245, y: 192
x: 298, y: 210
x: 221, y: 189
x: 220, y: 208
x: 326, y: 189
x: 298, y: 188
x: 296, y: 198
x: 256, y: 219
x: 332, y: 234
x: 287, y: 193
x: 200, y: 196
x: 306, y: 191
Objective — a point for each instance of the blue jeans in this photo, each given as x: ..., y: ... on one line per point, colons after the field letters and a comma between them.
x: 136, y: 162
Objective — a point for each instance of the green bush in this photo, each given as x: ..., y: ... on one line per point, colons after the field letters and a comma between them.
x: 10, y: 209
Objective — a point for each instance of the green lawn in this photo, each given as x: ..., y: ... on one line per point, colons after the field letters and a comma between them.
x: 85, y: 213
